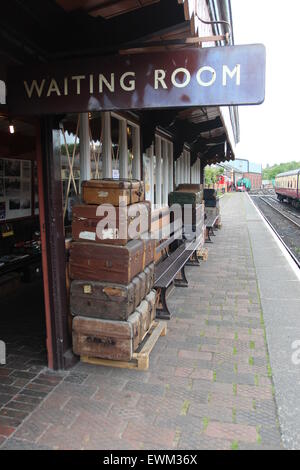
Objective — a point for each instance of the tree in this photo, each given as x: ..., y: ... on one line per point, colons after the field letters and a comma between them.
x: 270, y: 172
x: 212, y: 173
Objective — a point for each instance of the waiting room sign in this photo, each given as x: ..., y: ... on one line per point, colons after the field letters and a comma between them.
x: 215, y: 76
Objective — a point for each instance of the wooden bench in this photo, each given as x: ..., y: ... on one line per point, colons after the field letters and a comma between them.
x: 171, y: 270
x: 210, y: 226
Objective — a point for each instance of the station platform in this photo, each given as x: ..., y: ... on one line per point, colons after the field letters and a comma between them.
x: 222, y: 378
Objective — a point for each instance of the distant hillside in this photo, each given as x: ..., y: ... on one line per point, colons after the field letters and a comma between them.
x: 270, y: 172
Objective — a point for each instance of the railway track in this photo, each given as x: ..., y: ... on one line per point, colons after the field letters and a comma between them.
x: 286, y: 226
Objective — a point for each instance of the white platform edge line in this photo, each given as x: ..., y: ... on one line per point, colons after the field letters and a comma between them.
x: 286, y: 254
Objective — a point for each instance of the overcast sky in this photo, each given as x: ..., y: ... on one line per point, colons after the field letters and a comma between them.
x: 270, y: 132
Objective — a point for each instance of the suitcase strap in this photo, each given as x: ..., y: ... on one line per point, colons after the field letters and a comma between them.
x: 139, y: 192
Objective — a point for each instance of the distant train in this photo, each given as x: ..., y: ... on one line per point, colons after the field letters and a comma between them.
x: 287, y: 186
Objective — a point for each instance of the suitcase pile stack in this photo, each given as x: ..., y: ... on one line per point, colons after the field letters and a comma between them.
x: 212, y: 205
x: 190, y: 197
x: 160, y: 229
x: 112, y: 300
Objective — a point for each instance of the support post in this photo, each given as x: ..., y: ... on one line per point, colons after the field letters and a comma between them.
x: 202, y: 165
x: 171, y: 166
x: 158, y: 170
x: 151, y: 156
x: 136, y: 150
x: 165, y: 172
x: 182, y: 173
x: 123, y: 149
x: 84, y: 145
x: 106, y: 145
x: 189, y: 166
x: 49, y: 169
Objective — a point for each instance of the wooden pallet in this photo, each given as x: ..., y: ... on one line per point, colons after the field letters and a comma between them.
x: 203, y: 254
x: 140, y: 359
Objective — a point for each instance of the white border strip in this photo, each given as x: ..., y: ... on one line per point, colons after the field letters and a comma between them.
x: 283, y: 250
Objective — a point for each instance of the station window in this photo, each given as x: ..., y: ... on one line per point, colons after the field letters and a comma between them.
x: 2, y: 92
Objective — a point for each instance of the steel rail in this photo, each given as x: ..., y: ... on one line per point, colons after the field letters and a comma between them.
x: 280, y: 212
x: 279, y: 237
x: 285, y: 206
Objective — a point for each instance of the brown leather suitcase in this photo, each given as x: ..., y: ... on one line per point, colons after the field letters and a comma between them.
x: 149, y: 252
x: 160, y: 219
x: 97, y: 262
x: 106, y: 339
x: 143, y: 283
x: 149, y: 271
x: 145, y: 318
x: 104, y: 300
x: 116, y: 228
x: 189, y: 187
x: 151, y: 299
x: 109, y: 191
x: 110, y: 301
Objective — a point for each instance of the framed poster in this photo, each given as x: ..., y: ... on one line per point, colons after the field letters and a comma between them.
x: 15, y: 188
x: 147, y: 177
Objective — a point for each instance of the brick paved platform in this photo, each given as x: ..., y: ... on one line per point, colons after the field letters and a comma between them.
x: 209, y: 385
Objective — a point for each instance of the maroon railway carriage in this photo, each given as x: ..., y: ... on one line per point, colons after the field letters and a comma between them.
x: 287, y: 186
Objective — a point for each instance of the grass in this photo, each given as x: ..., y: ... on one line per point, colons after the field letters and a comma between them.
x: 205, y: 423
x: 185, y: 407
x: 235, y: 445
x: 258, y: 436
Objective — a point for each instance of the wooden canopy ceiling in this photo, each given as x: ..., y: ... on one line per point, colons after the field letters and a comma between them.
x: 104, y: 8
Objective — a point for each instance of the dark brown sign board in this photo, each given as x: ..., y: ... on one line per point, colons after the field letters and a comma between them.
x: 214, y: 76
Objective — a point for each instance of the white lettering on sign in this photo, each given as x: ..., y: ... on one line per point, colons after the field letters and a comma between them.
x: 34, y: 86
x: 186, y: 81
x: 78, y: 78
x: 159, y: 76
x: 131, y: 83
x: 206, y: 69
x: 53, y: 87
x: 236, y: 71
x: 181, y: 77
x: 110, y: 85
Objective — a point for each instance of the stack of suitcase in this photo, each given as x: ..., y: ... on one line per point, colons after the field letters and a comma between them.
x: 212, y: 205
x: 111, y: 300
x: 189, y: 197
x: 210, y: 198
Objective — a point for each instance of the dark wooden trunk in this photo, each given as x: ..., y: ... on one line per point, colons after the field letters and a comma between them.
x: 110, y: 301
x: 115, y: 340
x: 185, y: 197
x: 106, y: 339
x: 117, y: 264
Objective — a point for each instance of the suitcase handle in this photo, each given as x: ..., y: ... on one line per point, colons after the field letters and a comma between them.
x: 120, y: 179
x: 104, y: 341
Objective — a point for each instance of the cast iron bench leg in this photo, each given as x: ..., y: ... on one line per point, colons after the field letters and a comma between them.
x: 194, y: 260
x: 163, y: 312
x: 183, y: 282
x: 209, y: 240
